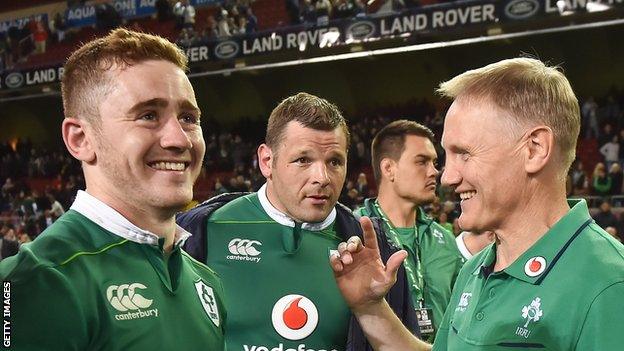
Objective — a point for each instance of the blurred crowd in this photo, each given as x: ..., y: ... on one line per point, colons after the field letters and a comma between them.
x: 38, y: 185
x: 231, y: 18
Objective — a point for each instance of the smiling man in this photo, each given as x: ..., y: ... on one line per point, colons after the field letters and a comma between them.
x: 404, y: 164
x: 110, y: 273
x: 271, y: 247
x: 554, y: 279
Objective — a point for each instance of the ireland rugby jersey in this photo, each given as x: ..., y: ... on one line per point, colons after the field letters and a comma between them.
x: 281, y: 290
x: 94, y: 281
x: 563, y: 294
x: 439, y: 258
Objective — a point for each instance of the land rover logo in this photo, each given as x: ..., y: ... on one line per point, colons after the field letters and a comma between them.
x: 361, y: 30
x: 521, y: 9
x: 226, y: 49
x: 14, y: 80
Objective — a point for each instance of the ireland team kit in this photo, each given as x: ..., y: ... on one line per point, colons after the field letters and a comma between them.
x: 94, y: 281
x: 281, y: 293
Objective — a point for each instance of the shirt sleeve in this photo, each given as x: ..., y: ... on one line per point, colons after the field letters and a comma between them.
x: 43, y: 308
x: 602, y: 328
x: 441, y: 339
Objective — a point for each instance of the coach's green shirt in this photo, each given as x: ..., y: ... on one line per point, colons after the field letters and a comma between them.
x: 281, y: 291
x: 564, y: 293
x: 94, y: 281
x: 439, y: 257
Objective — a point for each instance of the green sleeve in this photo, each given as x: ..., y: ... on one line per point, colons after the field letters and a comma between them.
x: 441, y: 339
x: 602, y: 328
x: 45, y: 312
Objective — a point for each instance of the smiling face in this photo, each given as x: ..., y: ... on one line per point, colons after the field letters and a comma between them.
x: 148, y: 145
x: 307, y: 171
x: 483, y: 164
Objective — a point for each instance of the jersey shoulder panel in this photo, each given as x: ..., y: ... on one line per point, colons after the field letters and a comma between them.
x: 69, y: 238
x: 244, y: 208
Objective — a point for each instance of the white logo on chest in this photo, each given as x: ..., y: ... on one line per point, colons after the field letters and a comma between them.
x: 244, y: 250
x: 532, y: 313
x: 464, y: 300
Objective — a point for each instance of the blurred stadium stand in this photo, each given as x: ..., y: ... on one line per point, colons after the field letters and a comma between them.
x: 237, y: 92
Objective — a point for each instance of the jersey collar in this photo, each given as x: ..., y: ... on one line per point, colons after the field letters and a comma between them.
x: 545, y: 253
x: 111, y: 220
x: 284, y: 219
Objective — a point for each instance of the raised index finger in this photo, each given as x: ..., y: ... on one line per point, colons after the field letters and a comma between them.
x: 370, y: 238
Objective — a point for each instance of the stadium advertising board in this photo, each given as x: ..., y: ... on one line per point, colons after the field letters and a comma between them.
x: 26, y: 78
x: 432, y: 18
x: 21, y: 22
x: 81, y: 16
x: 429, y: 19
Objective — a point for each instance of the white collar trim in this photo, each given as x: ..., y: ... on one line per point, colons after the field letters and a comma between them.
x: 284, y: 219
x: 461, y: 245
x: 111, y: 220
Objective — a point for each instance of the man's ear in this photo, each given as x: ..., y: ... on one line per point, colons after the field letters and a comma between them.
x: 540, y: 148
x: 75, y: 135
x: 265, y: 160
x: 387, y: 168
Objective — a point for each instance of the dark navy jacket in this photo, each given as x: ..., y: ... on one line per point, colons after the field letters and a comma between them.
x: 194, y: 221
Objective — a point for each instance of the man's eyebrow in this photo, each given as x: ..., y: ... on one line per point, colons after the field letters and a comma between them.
x: 425, y: 156
x: 188, y: 106
x: 151, y: 103
x: 161, y: 103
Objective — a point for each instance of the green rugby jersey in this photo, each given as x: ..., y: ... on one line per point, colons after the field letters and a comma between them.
x: 281, y: 291
x: 440, y: 259
x: 563, y: 294
x: 79, y: 286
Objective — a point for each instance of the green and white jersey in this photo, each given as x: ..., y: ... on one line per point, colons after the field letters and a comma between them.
x: 281, y: 291
x: 563, y: 294
x: 94, y: 281
x: 440, y: 260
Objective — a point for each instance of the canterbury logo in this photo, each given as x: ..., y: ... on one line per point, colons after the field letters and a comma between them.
x: 244, y: 247
x: 125, y: 297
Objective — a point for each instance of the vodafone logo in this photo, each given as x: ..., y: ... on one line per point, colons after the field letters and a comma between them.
x: 535, y: 266
x: 294, y: 317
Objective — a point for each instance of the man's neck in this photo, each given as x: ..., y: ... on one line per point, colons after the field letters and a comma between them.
x: 161, y: 223
x: 401, y: 213
x: 526, y: 226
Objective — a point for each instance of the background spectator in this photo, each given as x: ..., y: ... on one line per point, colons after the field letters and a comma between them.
x: 605, y: 218
x: 615, y: 172
x: 601, y: 181
x: 611, y: 151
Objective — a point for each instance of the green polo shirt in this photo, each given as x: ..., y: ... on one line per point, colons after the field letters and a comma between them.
x: 439, y: 257
x: 563, y: 293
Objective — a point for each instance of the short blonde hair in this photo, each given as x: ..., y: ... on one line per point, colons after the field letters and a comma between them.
x: 85, y: 80
x: 529, y: 91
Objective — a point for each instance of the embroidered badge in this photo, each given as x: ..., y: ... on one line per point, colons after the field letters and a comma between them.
x: 532, y: 313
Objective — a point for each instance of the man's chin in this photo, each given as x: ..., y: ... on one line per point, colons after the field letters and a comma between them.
x: 314, y: 216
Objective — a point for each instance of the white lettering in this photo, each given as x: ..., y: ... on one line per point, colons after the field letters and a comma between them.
x: 41, y: 76
x: 291, y: 40
x: 81, y: 12
x: 196, y: 54
x: 280, y: 347
x: 472, y: 14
